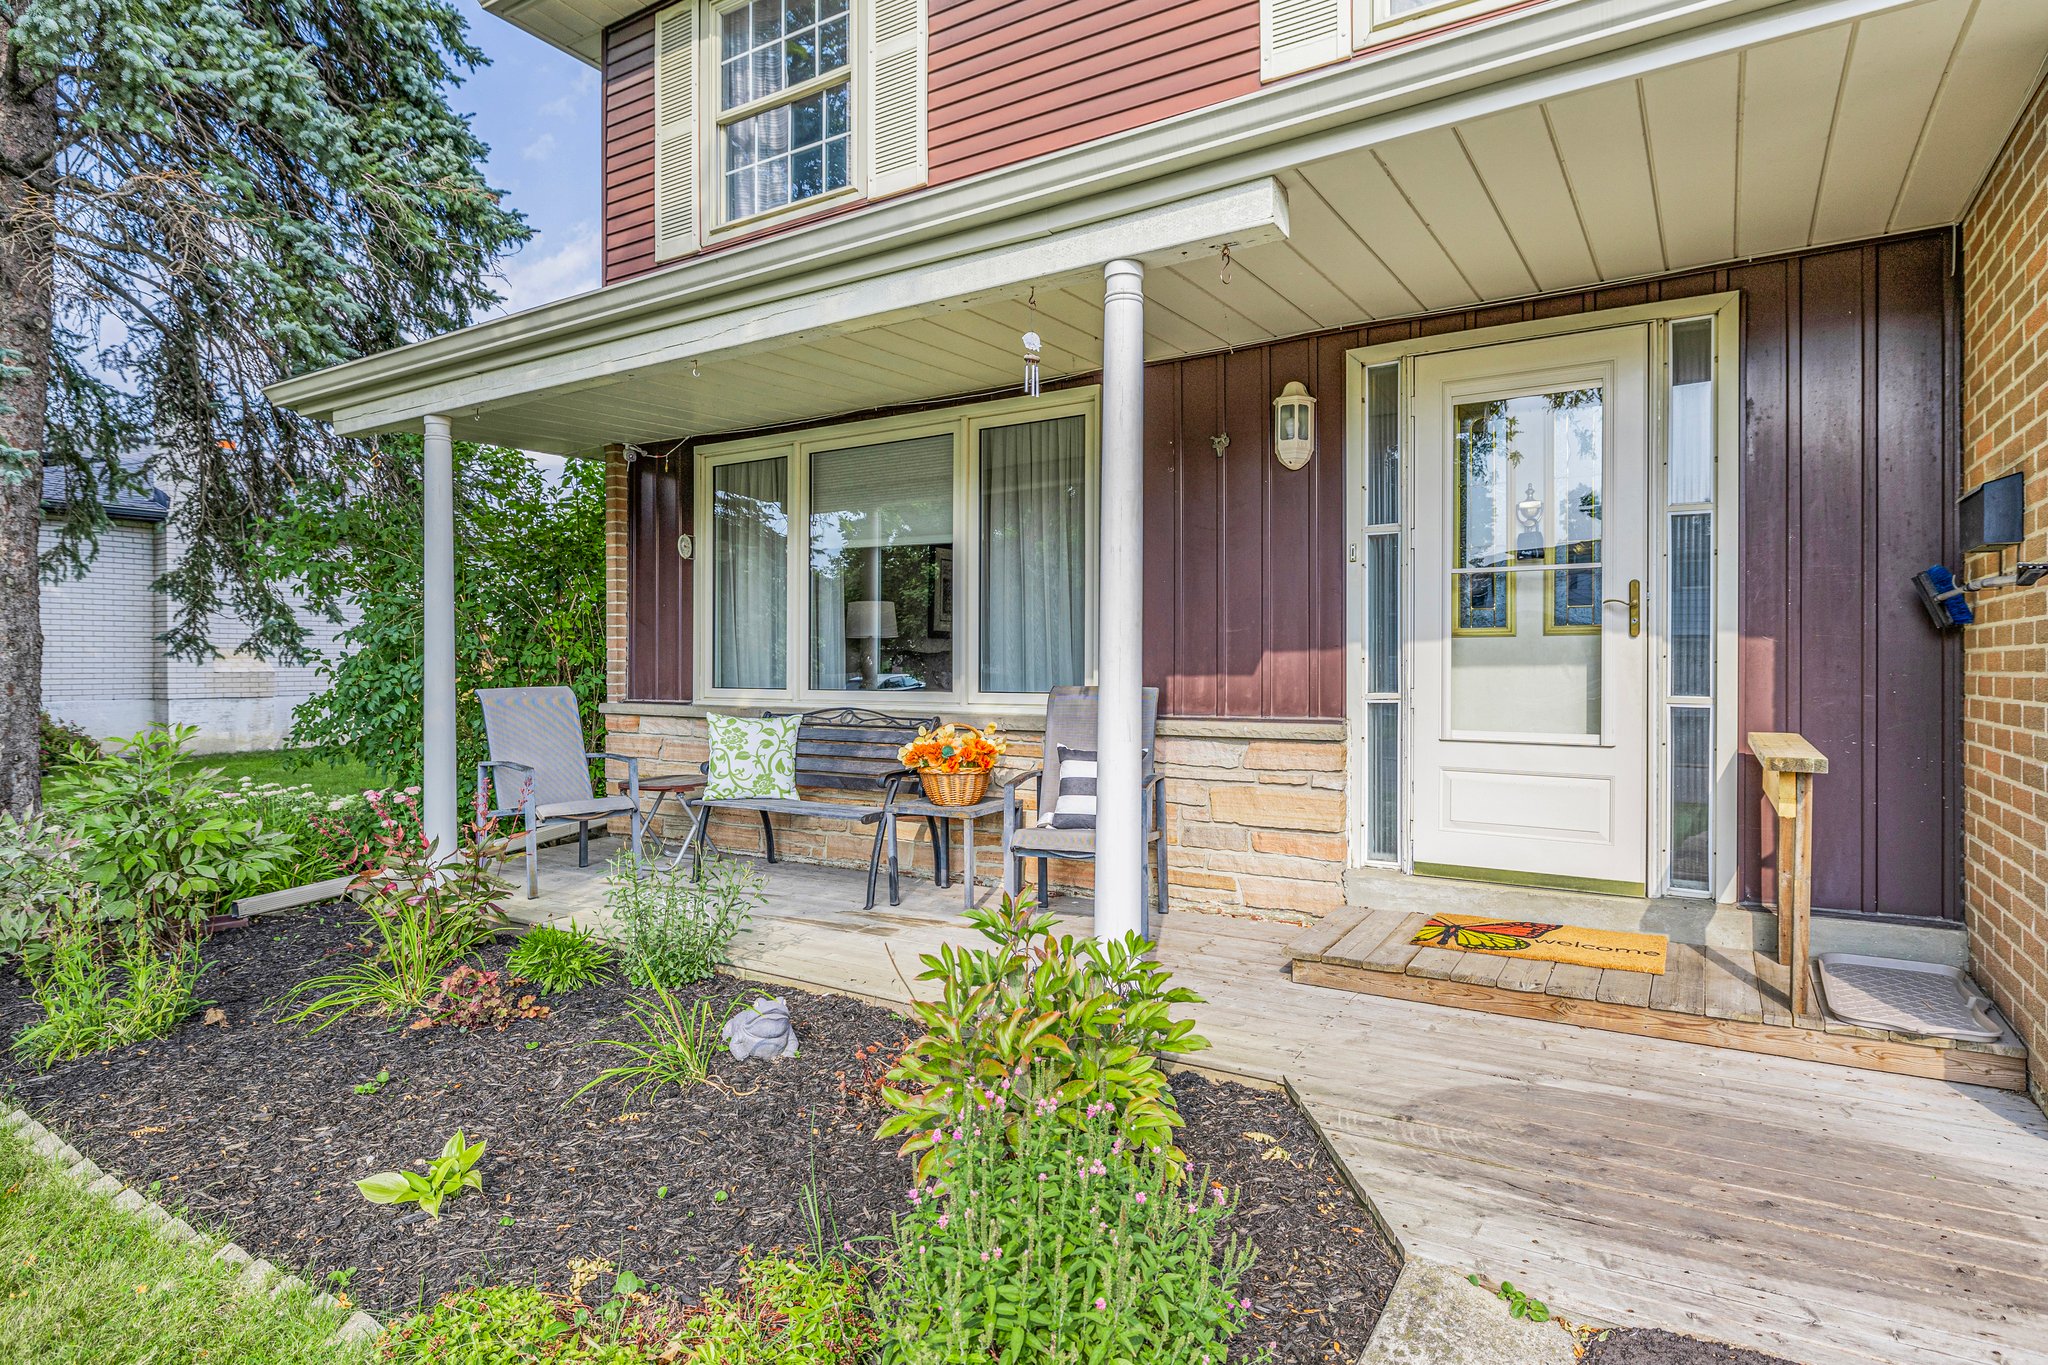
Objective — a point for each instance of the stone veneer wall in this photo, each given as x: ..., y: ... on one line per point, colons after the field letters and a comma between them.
x: 1255, y: 825
x: 2005, y: 654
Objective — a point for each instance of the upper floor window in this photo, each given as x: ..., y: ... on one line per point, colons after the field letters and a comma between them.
x: 785, y: 102
x: 1296, y: 35
x: 769, y: 108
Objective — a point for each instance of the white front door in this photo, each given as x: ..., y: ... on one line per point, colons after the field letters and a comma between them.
x: 1531, y: 540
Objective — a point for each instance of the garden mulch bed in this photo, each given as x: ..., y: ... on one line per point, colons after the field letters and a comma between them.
x: 255, y: 1123
x: 1642, y: 1346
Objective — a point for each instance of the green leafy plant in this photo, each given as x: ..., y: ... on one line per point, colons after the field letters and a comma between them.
x: 423, y: 916
x: 98, y: 993
x: 1047, y: 1238
x: 448, y: 1175
x: 1520, y: 1305
x: 558, y: 959
x: 672, y: 928
x: 155, y: 835
x: 57, y: 741
x: 675, y: 1046
x: 38, y: 870
x: 1081, y: 1018
x: 374, y: 1084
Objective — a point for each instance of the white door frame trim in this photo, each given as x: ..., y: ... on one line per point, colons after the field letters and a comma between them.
x: 1726, y: 310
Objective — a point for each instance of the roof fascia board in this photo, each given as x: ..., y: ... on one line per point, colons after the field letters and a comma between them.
x: 1239, y: 216
x: 1532, y: 57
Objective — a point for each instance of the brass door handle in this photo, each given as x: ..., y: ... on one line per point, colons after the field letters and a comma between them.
x: 1634, y: 603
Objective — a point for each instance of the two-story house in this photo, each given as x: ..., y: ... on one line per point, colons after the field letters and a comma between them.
x: 1643, y: 347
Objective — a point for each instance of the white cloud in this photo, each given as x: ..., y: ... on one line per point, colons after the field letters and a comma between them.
x: 575, y: 95
x: 541, y: 148
x: 542, y: 273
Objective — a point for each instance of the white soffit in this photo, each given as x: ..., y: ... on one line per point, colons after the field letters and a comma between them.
x: 912, y: 336
x: 1884, y: 125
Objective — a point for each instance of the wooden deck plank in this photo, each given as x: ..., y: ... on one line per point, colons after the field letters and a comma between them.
x: 1315, y: 942
x: 1525, y: 974
x: 1357, y: 946
x: 1731, y: 985
x: 1774, y: 995
x: 1396, y: 950
x: 1570, y: 980
x: 1480, y: 969
x: 1625, y: 988
x: 2001, y: 1073
x: 1437, y: 964
x: 1683, y: 987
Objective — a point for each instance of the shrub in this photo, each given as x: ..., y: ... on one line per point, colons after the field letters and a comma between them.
x: 1083, y: 1018
x: 348, y: 832
x: 38, y: 869
x: 672, y: 928
x: 159, y: 842
x: 559, y: 959
x: 675, y: 1046
x: 409, y: 951
x: 93, y: 999
x: 1059, y: 1243
x: 57, y: 741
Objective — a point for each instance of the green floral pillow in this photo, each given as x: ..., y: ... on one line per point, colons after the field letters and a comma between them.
x: 752, y: 756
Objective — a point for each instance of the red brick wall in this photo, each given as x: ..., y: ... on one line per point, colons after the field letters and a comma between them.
x: 2005, y: 666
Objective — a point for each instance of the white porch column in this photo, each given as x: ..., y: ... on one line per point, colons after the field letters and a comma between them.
x: 439, y: 784
x: 1119, y: 788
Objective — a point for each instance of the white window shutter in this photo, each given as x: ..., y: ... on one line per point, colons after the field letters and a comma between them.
x: 675, y: 130
x: 898, y: 144
x: 1295, y: 35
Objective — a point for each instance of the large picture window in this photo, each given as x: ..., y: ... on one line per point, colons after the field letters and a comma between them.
x: 947, y: 556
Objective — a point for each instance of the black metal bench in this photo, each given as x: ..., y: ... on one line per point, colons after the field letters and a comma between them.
x: 844, y: 749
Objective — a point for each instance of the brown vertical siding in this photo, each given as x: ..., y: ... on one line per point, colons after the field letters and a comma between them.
x: 1012, y: 81
x: 1849, y: 459
x: 629, y: 149
x: 1849, y: 462
x: 658, y: 498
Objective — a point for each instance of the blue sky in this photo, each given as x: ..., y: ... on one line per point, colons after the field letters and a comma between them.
x: 538, y: 110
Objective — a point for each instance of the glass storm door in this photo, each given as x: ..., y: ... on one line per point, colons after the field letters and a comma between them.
x: 1531, y: 543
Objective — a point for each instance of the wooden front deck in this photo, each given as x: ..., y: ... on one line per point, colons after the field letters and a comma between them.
x: 1715, y: 996
x: 1834, y: 1216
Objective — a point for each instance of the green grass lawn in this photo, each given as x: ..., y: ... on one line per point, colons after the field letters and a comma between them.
x: 82, y: 1281
x: 292, y: 767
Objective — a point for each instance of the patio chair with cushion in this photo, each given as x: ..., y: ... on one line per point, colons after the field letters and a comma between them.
x: 539, y: 770
x: 1070, y: 714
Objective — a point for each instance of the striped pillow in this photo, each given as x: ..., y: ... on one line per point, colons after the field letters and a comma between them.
x: 1074, y: 803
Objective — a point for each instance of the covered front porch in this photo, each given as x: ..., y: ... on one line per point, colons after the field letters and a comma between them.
x: 1818, y: 1213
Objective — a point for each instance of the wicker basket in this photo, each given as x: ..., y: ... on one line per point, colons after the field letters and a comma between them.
x: 954, y: 789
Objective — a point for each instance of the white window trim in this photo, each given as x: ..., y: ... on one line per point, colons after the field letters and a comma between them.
x: 1726, y: 311
x: 1373, y: 22
x: 712, y: 121
x: 964, y: 424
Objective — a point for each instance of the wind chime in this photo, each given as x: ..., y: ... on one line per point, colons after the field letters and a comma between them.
x: 1032, y: 347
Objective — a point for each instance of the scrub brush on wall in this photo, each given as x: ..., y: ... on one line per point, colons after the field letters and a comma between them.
x: 1948, y: 605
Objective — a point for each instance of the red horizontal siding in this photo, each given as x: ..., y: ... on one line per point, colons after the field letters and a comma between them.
x: 1010, y: 81
x: 628, y: 192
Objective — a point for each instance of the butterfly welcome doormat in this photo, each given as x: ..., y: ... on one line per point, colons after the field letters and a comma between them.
x: 1614, y: 948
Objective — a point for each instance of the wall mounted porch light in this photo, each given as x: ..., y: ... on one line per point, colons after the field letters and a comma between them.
x: 1294, y: 427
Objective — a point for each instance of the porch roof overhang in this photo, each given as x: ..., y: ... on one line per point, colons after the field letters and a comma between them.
x: 1574, y: 147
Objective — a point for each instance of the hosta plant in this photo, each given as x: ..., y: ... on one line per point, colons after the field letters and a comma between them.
x: 448, y: 1175
x: 1084, y: 1018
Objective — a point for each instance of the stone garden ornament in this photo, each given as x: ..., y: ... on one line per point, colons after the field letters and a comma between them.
x: 761, y: 1033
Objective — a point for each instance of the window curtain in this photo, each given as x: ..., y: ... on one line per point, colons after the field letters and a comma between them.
x: 1034, y: 556
x: 750, y: 536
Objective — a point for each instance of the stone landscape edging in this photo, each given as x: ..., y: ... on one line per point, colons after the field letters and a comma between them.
x: 257, y: 1273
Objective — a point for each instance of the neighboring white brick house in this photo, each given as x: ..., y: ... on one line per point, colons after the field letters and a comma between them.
x: 104, y: 670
